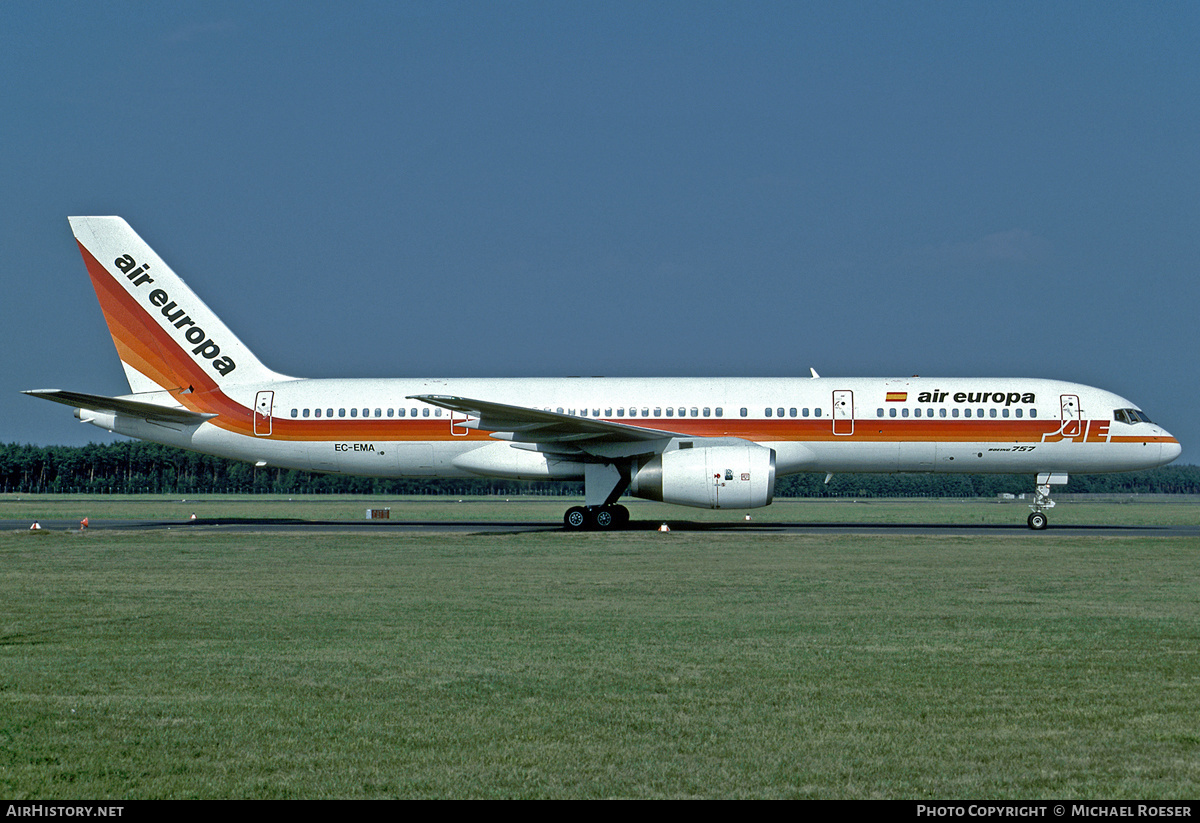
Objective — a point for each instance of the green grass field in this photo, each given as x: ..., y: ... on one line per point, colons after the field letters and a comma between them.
x: 201, y: 664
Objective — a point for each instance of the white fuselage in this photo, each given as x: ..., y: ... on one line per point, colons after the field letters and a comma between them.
x: 976, y: 425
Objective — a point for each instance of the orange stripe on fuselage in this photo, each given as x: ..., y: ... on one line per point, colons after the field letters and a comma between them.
x: 819, y: 430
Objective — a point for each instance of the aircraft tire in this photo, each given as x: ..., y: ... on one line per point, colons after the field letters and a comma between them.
x: 1038, y: 521
x: 621, y: 516
x: 603, y: 518
x: 576, y: 518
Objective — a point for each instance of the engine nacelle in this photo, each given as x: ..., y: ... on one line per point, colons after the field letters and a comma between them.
x: 714, y: 477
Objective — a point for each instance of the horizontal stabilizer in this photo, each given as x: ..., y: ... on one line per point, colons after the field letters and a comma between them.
x: 117, y: 405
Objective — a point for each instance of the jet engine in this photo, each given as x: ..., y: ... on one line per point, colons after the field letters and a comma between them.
x: 713, y: 477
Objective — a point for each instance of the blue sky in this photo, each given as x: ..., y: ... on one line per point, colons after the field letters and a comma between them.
x: 528, y: 188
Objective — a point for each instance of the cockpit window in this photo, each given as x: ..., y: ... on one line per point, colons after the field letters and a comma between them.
x: 1130, y: 416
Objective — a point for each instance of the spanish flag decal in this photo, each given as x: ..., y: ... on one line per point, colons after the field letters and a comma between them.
x: 897, y: 396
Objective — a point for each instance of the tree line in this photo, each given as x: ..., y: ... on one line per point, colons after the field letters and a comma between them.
x: 135, y: 467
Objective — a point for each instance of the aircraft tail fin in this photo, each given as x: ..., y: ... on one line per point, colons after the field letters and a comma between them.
x: 167, y: 339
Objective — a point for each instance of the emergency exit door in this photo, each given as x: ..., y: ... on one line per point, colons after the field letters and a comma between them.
x: 1072, y: 415
x: 262, y: 413
x: 843, y: 412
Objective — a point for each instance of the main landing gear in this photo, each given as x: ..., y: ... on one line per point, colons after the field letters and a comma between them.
x: 603, y: 484
x: 1041, y: 499
x: 600, y: 518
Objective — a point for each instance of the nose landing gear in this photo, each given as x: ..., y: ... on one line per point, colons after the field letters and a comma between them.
x: 1041, y: 498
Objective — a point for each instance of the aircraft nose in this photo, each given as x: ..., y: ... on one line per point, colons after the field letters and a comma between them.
x: 1170, y: 451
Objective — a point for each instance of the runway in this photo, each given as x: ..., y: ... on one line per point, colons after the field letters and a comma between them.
x: 284, y: 525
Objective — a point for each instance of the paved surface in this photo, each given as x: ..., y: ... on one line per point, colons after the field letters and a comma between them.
x: 251, y: 525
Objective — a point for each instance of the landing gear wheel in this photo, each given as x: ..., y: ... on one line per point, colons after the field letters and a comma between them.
x: 603, y: 518
x: 621, y: 516
x: 1038, y: 521
x: 576, y: 518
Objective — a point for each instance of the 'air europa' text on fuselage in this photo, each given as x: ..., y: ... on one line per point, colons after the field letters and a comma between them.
x: 1007, y: 398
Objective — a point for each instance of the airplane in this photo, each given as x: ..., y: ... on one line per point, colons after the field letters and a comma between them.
x: 715, y: 443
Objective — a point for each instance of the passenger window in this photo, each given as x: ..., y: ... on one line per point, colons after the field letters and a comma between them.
x: 916, y: 412
x: 792, y: 411
x: 729, y: 474
x: 295, y: 412
x: 341, y: 412
x: 891, y: 411
x: 744, y: 411
x: 816, y: 412
x: 767, y: 412
x: 706, y: 411
x: 424, y: 412
x: 991, y: 412
x: 720, y: 413
x: 694, y: 411
x: 354, y: 412
x: 306, y: 412
x: 670, y: 412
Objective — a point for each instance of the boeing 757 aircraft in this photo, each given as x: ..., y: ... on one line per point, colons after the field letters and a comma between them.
x: 706, y: 442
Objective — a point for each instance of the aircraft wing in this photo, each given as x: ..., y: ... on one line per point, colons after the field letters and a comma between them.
x: 566, y: 431
x: 117, y: 405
